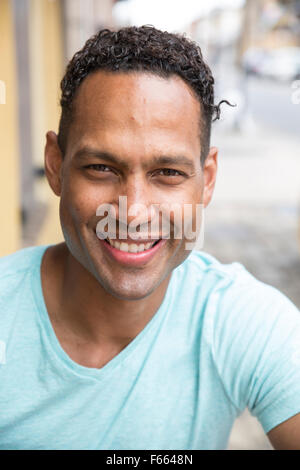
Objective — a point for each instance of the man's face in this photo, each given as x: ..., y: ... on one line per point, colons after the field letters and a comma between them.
x: 133, y: 135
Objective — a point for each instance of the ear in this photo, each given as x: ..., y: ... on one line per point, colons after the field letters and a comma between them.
x: 209, y: 174
x: 53, y: 162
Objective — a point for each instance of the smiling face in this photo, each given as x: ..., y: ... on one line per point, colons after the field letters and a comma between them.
x: 133, y: 135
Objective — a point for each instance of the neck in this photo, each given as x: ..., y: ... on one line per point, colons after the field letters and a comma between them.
x: 93, y: 314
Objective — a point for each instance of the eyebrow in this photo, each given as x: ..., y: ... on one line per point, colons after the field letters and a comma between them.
x: 108, y: 157
x: 176, y: 160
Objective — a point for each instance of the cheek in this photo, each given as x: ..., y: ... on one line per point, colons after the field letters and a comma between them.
x: 79, y: 200
x: 182, y: 214
x: 77, y: 207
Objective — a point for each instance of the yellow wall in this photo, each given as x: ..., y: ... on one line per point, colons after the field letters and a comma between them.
x: 46, y: 59
x: 10, y: 228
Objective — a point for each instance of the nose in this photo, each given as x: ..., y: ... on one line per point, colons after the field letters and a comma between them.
x: 136, y: 194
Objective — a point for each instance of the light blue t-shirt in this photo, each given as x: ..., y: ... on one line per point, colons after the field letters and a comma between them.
x: 221, y: 341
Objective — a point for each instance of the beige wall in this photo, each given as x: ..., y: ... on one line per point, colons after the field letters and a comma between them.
x: 46, y: 64
x: 10, y: 228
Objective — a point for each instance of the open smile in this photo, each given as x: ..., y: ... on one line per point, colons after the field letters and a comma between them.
x: 133, y: 253
x: 133, y: 247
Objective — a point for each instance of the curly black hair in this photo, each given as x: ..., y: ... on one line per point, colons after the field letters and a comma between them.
x: 145, y: 49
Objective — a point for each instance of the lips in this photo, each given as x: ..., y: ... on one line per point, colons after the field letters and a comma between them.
x: 131, y: 247
x: 133, y: 253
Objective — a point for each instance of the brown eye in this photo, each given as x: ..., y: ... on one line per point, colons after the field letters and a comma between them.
x: 169, y: 172
x: 98, y: 167
x: 169, y: 176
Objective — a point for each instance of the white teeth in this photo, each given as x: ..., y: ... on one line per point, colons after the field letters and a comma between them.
x: 131, y: 248
x: 124, y: 246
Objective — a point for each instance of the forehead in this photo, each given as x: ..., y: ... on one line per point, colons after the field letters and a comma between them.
x: 143, y: 108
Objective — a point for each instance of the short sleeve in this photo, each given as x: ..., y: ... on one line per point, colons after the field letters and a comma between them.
x: 256, y: 348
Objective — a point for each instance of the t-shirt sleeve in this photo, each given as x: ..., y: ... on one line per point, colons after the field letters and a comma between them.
x: 256, y: 348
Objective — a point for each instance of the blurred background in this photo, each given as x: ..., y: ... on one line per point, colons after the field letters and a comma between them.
x: 253, y: 49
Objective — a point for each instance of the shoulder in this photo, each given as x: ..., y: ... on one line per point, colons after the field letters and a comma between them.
x: 206, y: 273
x: 232, y: 298
x: 228, y: 278
x: 206, y: 263
x: 17, y: 264
x: 253, y: 332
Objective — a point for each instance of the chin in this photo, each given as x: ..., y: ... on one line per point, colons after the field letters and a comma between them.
x: 130, y: 288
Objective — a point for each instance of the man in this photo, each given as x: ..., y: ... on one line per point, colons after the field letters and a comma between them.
x: 122, y: 343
